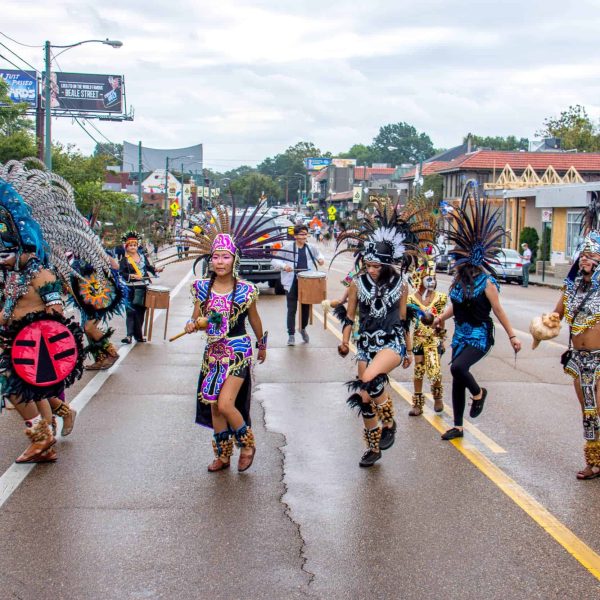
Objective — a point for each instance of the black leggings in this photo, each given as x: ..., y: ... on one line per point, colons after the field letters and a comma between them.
x: 462, y: 379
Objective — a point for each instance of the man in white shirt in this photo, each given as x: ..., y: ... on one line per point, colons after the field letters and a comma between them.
x: 300, y: 257
x: 526, y: 256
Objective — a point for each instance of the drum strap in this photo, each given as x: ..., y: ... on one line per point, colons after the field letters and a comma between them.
x: 309, y: 253
x: 134, y: 266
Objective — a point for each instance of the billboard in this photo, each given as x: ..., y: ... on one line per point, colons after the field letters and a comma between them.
x: 84, y: 92
x: 344, y: 162
x: 316, y: 164
x: 22, y: 86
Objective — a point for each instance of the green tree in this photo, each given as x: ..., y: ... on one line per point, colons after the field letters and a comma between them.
x: 113, y: 151
x: 76, y: 168
x: 289, y: 162
x: 365, y: 155
x: 249, y: 188
x: 497, y: 142
x: 17, y: 146
x: 399, y: 143
x: 574, y: 128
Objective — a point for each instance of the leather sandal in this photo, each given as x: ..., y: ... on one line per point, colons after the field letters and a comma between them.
x: 218, y: 465
x: 588, y: 473
x: 35, y: 450
x: 46, y: 457
x: 245, y: 461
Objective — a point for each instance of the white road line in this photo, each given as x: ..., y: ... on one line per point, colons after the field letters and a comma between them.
x: 15, y: 474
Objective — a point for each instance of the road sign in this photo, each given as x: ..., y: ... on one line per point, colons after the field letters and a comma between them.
x: 332, y: 217
x: 331, y: 211
x: 546, y: 215
x: 174, y: 206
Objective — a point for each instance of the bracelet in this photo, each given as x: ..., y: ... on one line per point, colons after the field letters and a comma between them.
x: 190, y: 321
x: 512, y: 337
x: 262, y: 343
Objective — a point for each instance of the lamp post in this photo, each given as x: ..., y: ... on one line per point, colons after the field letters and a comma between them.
x: 181, y: 207
x: 166, y: 213
x: 48, y: 76
x: 305, y: 188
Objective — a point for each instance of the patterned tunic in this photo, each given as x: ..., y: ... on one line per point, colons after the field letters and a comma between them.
x: 229, y: 348
x: 473, y: 325
x: 379, y: 314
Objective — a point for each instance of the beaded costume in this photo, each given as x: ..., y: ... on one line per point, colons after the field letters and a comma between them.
x: 229, y: 348
x: 581, y: 302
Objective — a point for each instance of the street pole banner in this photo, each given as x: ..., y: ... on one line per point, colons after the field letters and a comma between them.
x: 22, y: 86
x: 356, y: 194
x: 85, y: 92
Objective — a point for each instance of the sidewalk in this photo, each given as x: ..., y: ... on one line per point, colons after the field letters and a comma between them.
x: 555, y: 283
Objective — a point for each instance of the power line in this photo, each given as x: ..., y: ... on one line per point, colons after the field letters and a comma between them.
x: 19, y: 43
x: 20, y: 58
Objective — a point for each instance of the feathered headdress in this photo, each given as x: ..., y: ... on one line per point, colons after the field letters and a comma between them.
x: 51, y: 203
x: 131, y: 234
x: 386, y: 235
x: 475, y: 231
x: 590, y: 231
x: 243, y: 234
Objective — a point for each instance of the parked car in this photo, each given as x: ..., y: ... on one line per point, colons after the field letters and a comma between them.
x: 442, y: 263
x: 510, y: 267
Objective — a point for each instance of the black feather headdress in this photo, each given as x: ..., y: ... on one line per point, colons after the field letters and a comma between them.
x: 475, y: 231
x: 386, y: 235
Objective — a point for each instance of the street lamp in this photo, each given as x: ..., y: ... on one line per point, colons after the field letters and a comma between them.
x: 48, y: 75
x: 303, y: 175
x: 167, y: 182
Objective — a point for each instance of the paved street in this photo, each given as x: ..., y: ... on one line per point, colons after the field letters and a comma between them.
x: 130, y: 512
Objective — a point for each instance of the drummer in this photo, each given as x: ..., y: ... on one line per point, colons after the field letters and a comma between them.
x: 135, y: 268
x: 297, y: 256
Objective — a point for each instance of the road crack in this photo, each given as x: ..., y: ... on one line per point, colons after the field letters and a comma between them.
x: 302, y: 553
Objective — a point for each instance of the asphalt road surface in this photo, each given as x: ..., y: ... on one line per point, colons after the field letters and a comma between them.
x: 130, y: 512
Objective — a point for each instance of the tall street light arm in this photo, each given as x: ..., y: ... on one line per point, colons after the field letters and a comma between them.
x: 47, y: 76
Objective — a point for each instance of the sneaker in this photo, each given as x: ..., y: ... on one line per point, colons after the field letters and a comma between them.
x: 452, y: 433
x: 369, y: 458
x: 291, y: 340
x: 388, y: 437
x: 304, y: 335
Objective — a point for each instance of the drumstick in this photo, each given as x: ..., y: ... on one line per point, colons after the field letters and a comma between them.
x: 176, y: 337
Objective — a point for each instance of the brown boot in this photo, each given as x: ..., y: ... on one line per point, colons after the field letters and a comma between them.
x: 41, y: 440
x: 437, y: 391
x: 45, y: 457
x: 223, y: 448
x: 245, y: 439
x: 68, y: 415
x: 418, y: 402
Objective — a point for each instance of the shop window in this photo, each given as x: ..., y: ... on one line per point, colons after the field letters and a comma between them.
x: 574, y: 237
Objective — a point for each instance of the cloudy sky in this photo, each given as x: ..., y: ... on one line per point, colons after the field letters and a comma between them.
x: 248, y: 78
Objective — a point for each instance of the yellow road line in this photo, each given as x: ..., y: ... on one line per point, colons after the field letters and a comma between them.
x: 578, y: 549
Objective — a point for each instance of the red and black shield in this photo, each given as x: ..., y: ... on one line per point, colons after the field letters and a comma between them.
x: 44, y: 353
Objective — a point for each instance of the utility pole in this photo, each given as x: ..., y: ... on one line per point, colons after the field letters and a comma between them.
x: 139, y: 173
x: 48, y: 139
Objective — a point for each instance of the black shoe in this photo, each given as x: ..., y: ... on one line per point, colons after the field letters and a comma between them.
x: 126, y: 340
x: 369, y: 458
x: 452, y: 433
x: 388, y: 437
x: 477, y: 405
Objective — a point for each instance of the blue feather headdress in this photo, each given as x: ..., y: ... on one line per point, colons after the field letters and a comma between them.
x: 18, y: 231
x: 475, y: 231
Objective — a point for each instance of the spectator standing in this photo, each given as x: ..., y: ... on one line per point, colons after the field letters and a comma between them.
x: 526, y: 256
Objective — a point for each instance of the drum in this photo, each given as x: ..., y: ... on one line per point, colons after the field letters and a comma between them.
x: 312, y: 287
x: 157, y: 296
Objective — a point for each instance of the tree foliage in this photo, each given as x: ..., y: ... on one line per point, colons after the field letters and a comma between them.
x: 114, y: 152
x: 510, y: 142
x: 399, y: 143
x: 248, y: 188
x: 291, y: 161
x: 17, y: 146
x: 365, y: 155
x: 575, y: 129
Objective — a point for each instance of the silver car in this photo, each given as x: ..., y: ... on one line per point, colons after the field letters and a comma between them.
x: 510, y: 267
